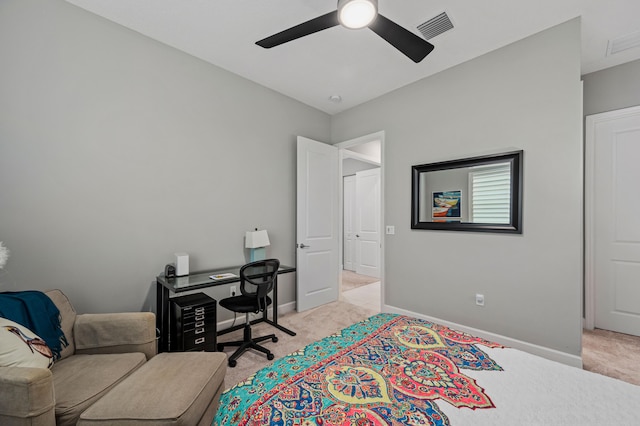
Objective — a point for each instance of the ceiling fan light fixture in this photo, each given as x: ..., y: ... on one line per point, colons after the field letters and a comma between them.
x: 350, y: 15
x: 355, y: 14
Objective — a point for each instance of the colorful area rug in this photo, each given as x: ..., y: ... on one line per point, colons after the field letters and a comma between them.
x: 386, y: 370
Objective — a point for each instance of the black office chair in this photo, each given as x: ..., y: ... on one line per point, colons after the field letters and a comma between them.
x: 256, y: 281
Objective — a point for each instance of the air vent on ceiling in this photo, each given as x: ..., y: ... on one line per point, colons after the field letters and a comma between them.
x: 435, y: 26
x: 623, y: 43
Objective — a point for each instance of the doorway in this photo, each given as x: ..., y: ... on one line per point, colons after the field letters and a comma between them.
x: 360, y: 290
x: 319, y: 228
x: 362, y: 221
x: 612, y: 221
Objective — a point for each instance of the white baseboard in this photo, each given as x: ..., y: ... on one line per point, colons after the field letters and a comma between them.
x: 548, y: 353
x: 286, y: 308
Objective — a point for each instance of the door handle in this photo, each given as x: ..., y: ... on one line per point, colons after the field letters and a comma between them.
x: 303, y: 246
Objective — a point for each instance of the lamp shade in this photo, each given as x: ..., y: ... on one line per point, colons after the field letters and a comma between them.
x: 256, y: 239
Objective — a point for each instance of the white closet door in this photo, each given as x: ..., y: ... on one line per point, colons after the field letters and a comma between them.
x: 368, y: 222
x: 349, y: 222
x: 613, y: 262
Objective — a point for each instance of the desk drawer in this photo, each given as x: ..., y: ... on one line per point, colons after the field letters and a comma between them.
x: 200, y: 322
x: 199, y: 339
x: 207, y: 314
x: 193, y: 323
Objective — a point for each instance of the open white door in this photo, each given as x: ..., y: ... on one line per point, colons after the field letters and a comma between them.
x: 317, y: 229
x: 368, y: 222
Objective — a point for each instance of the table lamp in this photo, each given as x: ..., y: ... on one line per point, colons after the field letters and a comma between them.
x: 257, y: 241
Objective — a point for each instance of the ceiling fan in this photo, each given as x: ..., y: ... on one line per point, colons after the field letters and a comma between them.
x: 356, y: 14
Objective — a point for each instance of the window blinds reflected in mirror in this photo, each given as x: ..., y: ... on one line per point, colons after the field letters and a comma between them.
x: 490, y: 194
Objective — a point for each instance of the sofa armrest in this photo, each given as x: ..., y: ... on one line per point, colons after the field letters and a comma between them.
x: 116, y: 333
x: 27, y: 396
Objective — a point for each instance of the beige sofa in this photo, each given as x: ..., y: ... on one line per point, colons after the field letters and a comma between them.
x: 103, y: 350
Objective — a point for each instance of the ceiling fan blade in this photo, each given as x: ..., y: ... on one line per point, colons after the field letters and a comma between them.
x: 415, y: 47
x: 312, y: 26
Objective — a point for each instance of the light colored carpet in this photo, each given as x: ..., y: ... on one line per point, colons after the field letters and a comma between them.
x: 367, y: 296
x: 612, y: 354
x: 351, y: 280
x: 309, y: 326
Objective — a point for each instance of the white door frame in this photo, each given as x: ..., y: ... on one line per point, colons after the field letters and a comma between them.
x: 589, y: 252
x: 377, y: 136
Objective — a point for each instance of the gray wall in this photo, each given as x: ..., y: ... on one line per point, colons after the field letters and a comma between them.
x: 351, y: 166
x: 117, y: 151
x: 613, y: 88
x: 528, y: 96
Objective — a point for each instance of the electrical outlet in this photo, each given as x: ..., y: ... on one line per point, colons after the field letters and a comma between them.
x: 480, y: 299
x: 391, y: 230
x: 233, y: 290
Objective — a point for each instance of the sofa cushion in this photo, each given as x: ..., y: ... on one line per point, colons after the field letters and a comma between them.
x: 170, y: 389
x: 21, y: 347
x: 80, y: 380
x: 67, y: 319
x: 116, y: 333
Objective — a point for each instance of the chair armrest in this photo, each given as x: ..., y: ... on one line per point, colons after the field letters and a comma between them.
x: 116, y: 333
x: 27, y: 396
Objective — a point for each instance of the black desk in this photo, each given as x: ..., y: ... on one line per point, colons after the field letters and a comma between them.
x: 166, y: 286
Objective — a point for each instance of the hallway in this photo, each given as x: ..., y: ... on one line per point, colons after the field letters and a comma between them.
x: 360, y: 290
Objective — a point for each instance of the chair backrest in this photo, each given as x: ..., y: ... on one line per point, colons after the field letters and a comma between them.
x: 257, y: 278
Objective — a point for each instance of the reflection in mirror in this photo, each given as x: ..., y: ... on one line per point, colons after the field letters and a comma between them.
x: 473, y: 194
x: 486, y: 189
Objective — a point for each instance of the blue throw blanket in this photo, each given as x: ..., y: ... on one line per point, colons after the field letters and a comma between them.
x: 34, y: 310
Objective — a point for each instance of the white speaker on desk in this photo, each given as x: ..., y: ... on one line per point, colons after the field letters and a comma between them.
x: 182, y: 264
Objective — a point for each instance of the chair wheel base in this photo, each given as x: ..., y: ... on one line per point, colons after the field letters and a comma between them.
x: 232, y: 363
x: 270, y: 357
x: 274, y: 339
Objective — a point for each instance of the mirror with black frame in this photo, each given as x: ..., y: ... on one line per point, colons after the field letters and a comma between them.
x: 482, y: 194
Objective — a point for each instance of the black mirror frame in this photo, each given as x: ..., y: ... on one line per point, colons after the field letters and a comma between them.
x: 514, y: 158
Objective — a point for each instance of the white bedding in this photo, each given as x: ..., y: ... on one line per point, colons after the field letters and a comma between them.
x: 396, y: 370
x: 535, y: 391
